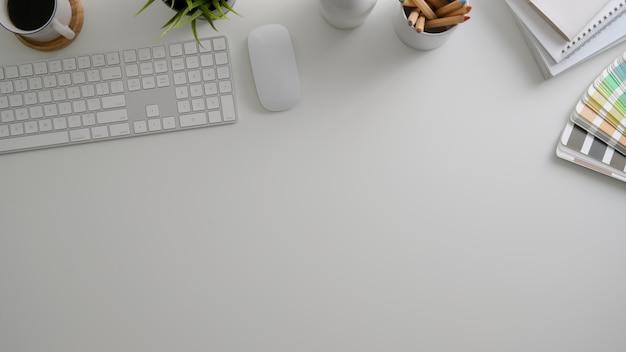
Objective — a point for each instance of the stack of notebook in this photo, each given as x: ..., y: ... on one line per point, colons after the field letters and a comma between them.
x: 564, y: 33
x: 595, y: 136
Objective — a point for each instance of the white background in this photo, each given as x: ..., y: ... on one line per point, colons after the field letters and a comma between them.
x: 412, y: 201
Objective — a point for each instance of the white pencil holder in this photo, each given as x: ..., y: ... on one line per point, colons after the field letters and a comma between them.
x: 418, y: 40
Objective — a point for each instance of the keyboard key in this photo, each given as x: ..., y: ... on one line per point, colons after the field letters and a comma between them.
x: 158, y: 52
x: 98, y: 60
x: 74, y: 121
x: 6, y: 87
x: 117, y: 87
x: 160, y: 66
x: 50, y: 110
x: 228, y: 107
x: 154, y: 125
x: 144, y: 54
x: 36, y: 112
x: 134, y: 85
x: 206, y: 60
x: 73, y: 92
x: 69, y: 64
x: 20, y: 85
x: 114, y: 101
x: 34, y: 141
x: 59, y: 123
x: 31, y: 127
x: 55, y: 66
x: 215, y: 117
x: 152, y: 110
x: 176, y: 50
x: 146, y: 68
x: 163, y: 81
x: 205, y: 45
x: 190, y: 48
x: 225, y: 87
x: 113, y: 58
x: 93, y: 76
x: 26, y: 70
x: 121, y: 129
x: 40, y: 68
x: 109, y: 73
x: 193, y: 120
x: 21, y: 114
x: 7, y: 116
x: 99, y: 132
x: 45, y: 125
x: 140, y: 126
x: 221, y: 58
x: 80, y: 135
x: 94, y: 104
x: 11, y: 72
x: 169, y: 123
x: 130, y: 56
x: 219, y: 44
x: 112, y: 116
x: 84, y: 62
x: 148, y: 82
x: 89, y: 119
x: 223, y: 72
x: 16, y: 129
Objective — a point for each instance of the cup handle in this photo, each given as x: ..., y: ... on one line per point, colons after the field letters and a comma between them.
x: 63, y: 29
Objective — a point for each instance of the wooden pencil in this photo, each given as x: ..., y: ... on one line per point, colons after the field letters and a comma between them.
x: 425, y: 9
x: 419, y: 25
x: 412, y: 19
x: 462, y: 11
x: 446, y: 10
x: 435, y: 4
x: 408, y: 3
x: 445, y: 21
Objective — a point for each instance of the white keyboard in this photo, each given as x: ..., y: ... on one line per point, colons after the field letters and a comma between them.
x: 116, y: 94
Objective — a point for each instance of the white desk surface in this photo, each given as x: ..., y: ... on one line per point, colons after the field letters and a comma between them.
x: 412, y: 201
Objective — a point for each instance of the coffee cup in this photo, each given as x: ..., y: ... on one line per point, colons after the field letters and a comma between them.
x: 37, y: 20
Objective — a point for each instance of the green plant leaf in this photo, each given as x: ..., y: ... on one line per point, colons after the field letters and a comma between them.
x: 195, y: 32
x: 188, y: 15
x: 225, y: 4
x: 148, y: 3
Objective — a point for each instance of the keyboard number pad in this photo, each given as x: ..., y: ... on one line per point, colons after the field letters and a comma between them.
x: 203, y: 82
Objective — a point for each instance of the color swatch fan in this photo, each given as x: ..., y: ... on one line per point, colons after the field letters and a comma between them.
x: 598, y: 138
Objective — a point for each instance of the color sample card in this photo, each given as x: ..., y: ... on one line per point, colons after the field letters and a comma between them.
x: 606, y: 96
x: 591, y: 121
x: 583, y: 148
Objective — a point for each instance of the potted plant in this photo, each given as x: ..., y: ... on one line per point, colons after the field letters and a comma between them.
x: 189, y: 11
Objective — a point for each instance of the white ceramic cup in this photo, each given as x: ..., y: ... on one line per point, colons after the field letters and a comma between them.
x: 346, y: 14
x: 56, y: 25
x: 416, y: 40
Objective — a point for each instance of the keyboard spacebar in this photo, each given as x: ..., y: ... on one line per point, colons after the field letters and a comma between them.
x: 34, y: 141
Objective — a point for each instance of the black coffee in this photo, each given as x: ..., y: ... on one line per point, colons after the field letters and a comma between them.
x: 28, y: 15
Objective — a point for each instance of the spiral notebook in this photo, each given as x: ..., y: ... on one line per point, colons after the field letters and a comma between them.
x: 568, y: 17
x: 541, y: 25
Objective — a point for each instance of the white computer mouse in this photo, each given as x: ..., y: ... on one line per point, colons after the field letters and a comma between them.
x: 274, y: 67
